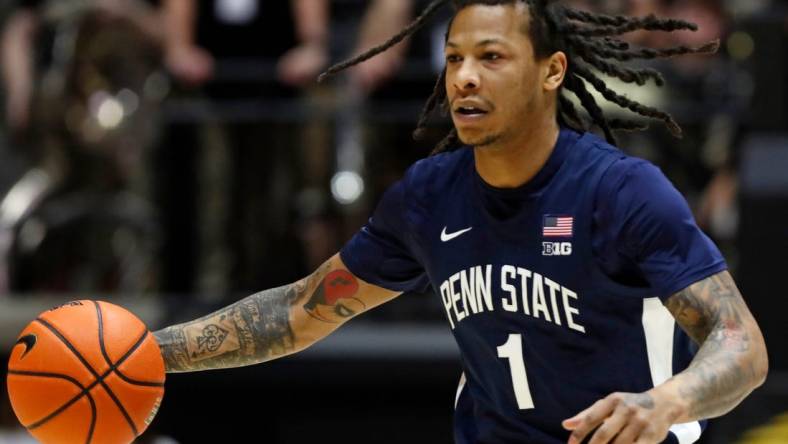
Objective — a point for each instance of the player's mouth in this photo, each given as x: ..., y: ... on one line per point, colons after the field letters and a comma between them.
x: 470, y: 110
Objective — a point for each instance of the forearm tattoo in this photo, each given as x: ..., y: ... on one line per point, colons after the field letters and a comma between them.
x: 258, y: 328
x: 252, y: 330
x: 714, y: 314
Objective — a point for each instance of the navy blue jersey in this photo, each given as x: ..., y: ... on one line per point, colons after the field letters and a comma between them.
x: 553, y: 290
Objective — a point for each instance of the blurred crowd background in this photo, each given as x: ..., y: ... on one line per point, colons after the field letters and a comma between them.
x: 175, y: 155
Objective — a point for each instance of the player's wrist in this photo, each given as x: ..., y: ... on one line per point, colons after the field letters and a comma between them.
x: 667, y: 399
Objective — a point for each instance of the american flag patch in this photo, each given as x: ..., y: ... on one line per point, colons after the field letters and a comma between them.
x: 557, y: 226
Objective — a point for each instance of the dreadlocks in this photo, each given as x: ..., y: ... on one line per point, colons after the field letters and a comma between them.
x: 591, y: 45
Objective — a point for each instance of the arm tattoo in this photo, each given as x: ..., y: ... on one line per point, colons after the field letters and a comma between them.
x: 714, y: 315
x: 258, y: 328
x: 644, y: 400
x: 252, y: 330
x: 335, y: 299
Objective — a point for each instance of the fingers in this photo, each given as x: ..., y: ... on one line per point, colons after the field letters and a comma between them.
x: 584, y: 422
x: 611, y: 426
x: 649, y: 436
x: 631, y: 432
x: 620, y: 418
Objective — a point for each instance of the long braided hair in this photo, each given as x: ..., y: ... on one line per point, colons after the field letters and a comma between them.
x: 592, y: 45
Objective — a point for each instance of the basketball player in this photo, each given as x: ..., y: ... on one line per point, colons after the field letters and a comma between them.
x: 563, y: 264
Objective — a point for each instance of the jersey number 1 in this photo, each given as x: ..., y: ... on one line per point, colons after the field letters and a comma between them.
x: 513, y: 351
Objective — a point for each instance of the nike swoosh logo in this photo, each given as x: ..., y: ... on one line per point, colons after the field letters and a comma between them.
x: 445, y: 237
x: 29, y: 342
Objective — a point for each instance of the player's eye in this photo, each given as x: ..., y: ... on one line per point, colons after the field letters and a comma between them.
x: 452, y: 58
x: 492, y: 56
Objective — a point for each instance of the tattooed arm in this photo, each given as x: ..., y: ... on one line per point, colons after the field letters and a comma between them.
x: 271, y: 323
x: 730, y: 364
x: 732, y: 359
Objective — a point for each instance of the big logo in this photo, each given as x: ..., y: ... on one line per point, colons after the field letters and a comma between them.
x: 556, y: 248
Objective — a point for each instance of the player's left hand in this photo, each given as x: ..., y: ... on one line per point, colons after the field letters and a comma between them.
x: 623, y: 418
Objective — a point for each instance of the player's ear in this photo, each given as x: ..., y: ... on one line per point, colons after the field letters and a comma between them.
x: 555, y: 71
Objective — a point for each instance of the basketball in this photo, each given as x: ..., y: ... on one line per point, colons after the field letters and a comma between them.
x: 86, y: 371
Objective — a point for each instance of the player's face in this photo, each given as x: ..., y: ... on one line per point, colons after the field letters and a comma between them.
x: 493, y: 81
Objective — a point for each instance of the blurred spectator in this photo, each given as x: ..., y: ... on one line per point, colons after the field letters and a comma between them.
x: 17, y: 65
x: 87, y: 78
x: 197, y: 34
x: 709, y: 15
x: 247, y: 58
x: 703, y: 163
x: 20, y: 59
x: 383, y: 19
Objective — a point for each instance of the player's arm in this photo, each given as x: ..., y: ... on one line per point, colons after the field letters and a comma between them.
x: 732, y: 359
x: 730, y: 363
x: 271, y: 323
x: 657, y: 231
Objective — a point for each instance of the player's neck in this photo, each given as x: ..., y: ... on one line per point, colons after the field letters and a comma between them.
x: 513, y: 164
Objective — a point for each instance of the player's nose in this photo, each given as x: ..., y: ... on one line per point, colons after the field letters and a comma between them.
x: 467, y: 78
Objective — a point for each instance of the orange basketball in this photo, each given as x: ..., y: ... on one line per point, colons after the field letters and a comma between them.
x: 86, y: 372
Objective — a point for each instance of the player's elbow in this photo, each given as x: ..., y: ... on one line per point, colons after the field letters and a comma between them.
x: 760, y: 364
x: 756, y: 359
